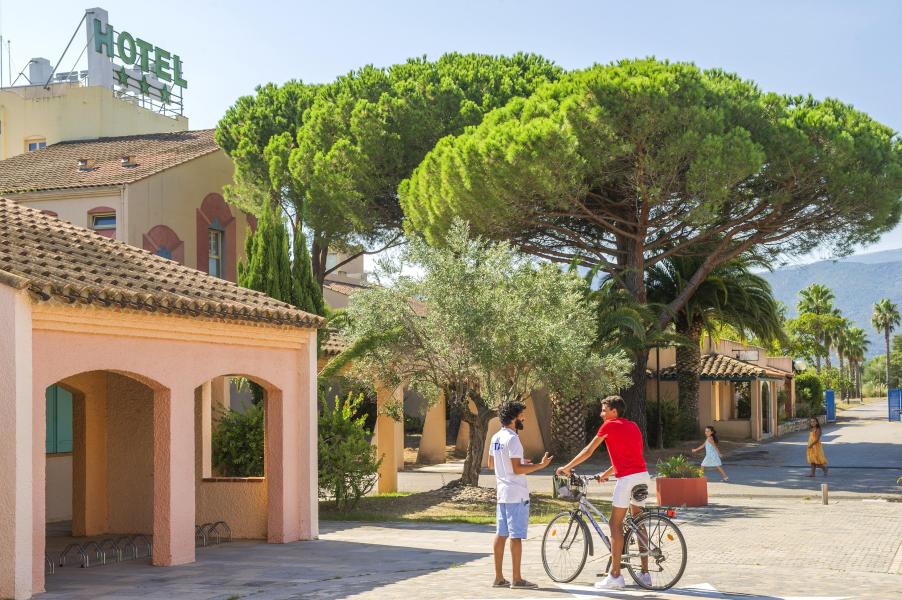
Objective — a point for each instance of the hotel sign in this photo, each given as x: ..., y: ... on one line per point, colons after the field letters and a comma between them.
x: 134, y: 66
x: 135, y: 51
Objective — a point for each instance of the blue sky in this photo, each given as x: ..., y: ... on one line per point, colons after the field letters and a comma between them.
x: 848, y: 50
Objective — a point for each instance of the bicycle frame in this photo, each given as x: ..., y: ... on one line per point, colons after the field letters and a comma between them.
x: 586, y: 508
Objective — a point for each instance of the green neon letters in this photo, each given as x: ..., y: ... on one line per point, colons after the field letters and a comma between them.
x: 137, y: 52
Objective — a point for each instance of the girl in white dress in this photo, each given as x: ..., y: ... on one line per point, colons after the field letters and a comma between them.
x: 712, y: 452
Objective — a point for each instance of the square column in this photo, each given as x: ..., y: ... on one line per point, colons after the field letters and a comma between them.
x: 432, y: 444
x: 756, y: 410
x: 19, y: 576
x: 173, y: 477
x: 386, y: 445
x: 308, y: 469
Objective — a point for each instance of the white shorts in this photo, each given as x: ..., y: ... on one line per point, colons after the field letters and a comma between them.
x: 623, y: 489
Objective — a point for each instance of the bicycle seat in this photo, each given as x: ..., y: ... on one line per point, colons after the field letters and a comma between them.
x: 640, y: 492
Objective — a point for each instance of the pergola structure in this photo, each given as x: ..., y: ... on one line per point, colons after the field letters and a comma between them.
x: 136, y: 340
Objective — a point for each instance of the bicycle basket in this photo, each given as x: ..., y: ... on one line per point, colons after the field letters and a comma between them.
x: 567, y: 489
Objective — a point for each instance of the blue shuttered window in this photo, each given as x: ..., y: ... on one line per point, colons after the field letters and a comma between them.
x: 59, y: 420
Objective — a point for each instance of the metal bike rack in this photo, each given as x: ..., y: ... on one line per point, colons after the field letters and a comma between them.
x: 124, y: 543
x: 199, y: 535
x: 211, y: 532
x: 148, y: 546
x: 111, y: 549
x: 99, y: 554
x: 222, y: 525
x: 64, y: 556
x: 49, y: 564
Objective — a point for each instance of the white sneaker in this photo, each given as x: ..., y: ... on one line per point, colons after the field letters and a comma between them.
x: 645, y: 578
x: 611, y: 583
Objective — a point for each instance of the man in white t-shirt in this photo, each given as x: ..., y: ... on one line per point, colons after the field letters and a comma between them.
x: 506, y: 457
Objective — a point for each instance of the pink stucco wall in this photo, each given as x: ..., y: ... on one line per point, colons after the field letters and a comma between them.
x: 171, y: 357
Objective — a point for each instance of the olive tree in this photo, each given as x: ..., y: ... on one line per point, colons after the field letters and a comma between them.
x: 482, y: 324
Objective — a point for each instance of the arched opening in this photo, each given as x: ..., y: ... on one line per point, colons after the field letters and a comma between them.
x: 765, y: 407
x: 100, y: 467
x: 236, y: 420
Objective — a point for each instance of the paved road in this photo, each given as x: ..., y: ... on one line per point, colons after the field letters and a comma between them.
x: 746, y: 549
x: 765, y: 537
x: 863, y: 448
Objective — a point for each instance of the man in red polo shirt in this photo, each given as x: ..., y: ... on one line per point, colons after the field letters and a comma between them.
x: 624, y: 442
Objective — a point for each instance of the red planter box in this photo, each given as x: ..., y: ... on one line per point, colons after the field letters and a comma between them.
x: 680, y: 491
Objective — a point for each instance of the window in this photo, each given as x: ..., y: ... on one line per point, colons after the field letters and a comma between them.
x: 104, y: 224
x: 36, y: 144
x: 214, y: 252
x: 59, y: 420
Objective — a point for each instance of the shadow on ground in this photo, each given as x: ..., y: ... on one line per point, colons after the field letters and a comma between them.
x: 320, y: 569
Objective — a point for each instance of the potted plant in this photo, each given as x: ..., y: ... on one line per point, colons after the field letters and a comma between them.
x: 681, y: 483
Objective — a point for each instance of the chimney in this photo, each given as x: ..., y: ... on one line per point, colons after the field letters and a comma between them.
x: 85, y: 164
x: 128, y: 160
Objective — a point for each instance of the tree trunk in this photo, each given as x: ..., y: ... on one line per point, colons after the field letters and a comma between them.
x: 886, y: 337
x: 634, y: 396
x: 319, y: 252
x: 817, y: 363
x: 688, y: 365
x: 473, y: 463
x: 568, y: 425
x: 842, y: 384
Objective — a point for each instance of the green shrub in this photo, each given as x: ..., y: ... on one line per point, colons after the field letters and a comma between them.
x: 679, y: 466
x: 348, y: 467
x: 677, y: 425
x: 873, y: 390
x: 810, y: 390
x: 413, y: 424
x: 238, y: 443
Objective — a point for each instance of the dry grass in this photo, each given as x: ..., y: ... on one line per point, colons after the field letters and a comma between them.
x: 451, y: 504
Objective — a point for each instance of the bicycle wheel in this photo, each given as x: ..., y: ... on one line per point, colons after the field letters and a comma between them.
x: 660, y: 540
x: 565, y: 546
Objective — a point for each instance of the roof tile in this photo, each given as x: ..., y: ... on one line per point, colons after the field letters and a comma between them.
x: 56, y: 166
x: 57, y: 260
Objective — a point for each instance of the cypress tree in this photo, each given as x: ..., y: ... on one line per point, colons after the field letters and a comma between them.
x: 308, y: 294
x: 269, y: 270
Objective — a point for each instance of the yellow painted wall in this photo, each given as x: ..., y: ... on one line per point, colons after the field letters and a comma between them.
x: 69, y: 112
x: 170, y: 198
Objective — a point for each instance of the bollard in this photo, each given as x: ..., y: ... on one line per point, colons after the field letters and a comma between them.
x: 824, y: 492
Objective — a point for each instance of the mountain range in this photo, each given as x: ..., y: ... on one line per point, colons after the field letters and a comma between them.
x: 857, y: 281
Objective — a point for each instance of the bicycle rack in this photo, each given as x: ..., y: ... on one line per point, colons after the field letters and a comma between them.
x: 148, y: 546
x: 199, y: 535
x: 49, y: 564
x: 64, y: 556
x: 210, y: 530
x: 228, y: 530
x: 124, y: 543
x: 110, y: 544
x: 99, y: 554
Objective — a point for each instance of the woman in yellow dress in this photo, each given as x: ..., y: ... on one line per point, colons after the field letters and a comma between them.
x: 815, y: 451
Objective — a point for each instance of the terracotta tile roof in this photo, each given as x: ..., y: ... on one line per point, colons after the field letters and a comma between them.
x: 340, y: 287
x: 56, y: 166
x: 348, y: 289
x: 721, y: 367
x: 335, y: 344
x: 57, y: 260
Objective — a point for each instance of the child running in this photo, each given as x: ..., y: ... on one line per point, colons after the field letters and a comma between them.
x: 712, y: 452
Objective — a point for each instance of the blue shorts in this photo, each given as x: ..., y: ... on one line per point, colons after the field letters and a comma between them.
x: 513, y: 519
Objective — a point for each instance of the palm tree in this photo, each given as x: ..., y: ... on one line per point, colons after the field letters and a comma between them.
x: 817, y: 299
x: 839, y: 337
x: 885, y: 319
x: 731, y: 294
x: 623, y: 324
x: 856, y: 345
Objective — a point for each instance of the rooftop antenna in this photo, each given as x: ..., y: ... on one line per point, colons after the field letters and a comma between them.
x: 74, y: 33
